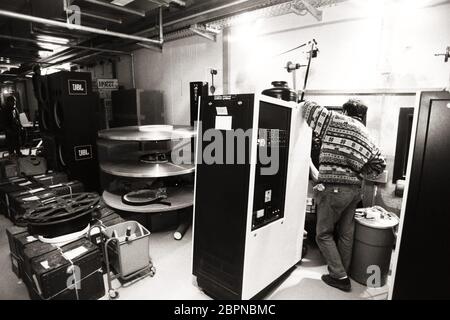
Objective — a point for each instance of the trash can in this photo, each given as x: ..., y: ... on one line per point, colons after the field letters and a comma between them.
x: 372, y: 250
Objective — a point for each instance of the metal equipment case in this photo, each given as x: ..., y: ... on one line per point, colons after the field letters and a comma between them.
x: 248, y: 227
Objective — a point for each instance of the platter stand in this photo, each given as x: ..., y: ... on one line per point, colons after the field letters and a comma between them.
x: 147, y: 162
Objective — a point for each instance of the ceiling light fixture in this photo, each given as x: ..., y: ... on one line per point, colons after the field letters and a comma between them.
x: 121, y: 2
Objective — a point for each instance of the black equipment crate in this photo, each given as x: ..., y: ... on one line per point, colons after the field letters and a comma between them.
x: 31, y: 252
x: 21, y: 241
x: 8, y: 168
x: 13, y: 233
x: 52, y: 178
x: 70, y: 187
x: 16, y: 265
x: 20, y: 203
x: 54, y: 277
x: 14, y: 187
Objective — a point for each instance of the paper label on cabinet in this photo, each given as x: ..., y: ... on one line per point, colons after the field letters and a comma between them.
x: 223, y: 122
x: 260, y: 213
x: 72, y: 254
x: 222, y: 111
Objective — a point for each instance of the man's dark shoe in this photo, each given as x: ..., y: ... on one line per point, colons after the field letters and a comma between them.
x: 341, y: 284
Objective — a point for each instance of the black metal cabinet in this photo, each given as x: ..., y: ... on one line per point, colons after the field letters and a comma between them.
x: 424, y: 262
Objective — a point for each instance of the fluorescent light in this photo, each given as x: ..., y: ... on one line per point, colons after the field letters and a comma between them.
x: 44, y: 54
x: 121, y: 2
x: 53, y: 39
x: 56, y: 68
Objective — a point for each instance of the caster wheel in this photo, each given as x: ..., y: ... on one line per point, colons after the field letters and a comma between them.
x: 113, y: 294
x: 153, y: 269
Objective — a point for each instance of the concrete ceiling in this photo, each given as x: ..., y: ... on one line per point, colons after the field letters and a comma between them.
x: 133, y: 17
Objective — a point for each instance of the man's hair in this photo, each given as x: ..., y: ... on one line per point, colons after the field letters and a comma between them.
x: 355, y: 108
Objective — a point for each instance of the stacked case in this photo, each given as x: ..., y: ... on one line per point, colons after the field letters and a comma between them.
x: 19, y: 194
x: 70, y: 271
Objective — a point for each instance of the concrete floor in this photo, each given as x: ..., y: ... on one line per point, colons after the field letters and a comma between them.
x: 173, y: 279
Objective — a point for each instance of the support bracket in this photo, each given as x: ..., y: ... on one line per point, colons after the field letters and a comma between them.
x: 205, y: 31
x: 299, y: 7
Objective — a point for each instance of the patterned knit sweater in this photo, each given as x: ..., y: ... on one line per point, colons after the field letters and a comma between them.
x: 346, y: 152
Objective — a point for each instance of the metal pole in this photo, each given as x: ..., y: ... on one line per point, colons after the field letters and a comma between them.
x: 307, y: 71
x: 113, y: 6
x: 133, y: 78
x: 161, y: 33
x: 26, y: 17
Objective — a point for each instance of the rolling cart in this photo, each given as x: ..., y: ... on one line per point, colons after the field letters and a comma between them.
x: 126, y: 253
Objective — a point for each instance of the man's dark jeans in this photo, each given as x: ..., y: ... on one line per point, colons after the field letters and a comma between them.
x: 335, y: 225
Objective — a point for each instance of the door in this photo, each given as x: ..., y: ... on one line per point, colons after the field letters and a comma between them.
x: 423, y: 262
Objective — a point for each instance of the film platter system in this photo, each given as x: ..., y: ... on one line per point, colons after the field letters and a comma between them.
x: 142, y: 176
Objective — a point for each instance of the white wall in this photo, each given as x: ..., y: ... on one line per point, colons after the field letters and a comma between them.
x: 171, y: 71
x: 361, y: 47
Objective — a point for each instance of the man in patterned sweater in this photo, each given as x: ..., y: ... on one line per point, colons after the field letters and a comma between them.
x: 347, y: 155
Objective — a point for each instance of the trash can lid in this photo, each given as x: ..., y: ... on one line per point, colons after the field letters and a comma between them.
x: 385, y: 222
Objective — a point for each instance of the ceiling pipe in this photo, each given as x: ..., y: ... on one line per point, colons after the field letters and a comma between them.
x: 69, y: 26
x: 22, y: 60
x: 115, y: 7
x: 85, y: 57
x: 30, y: 48
x: 61, y: 44
x: 154, y: 48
